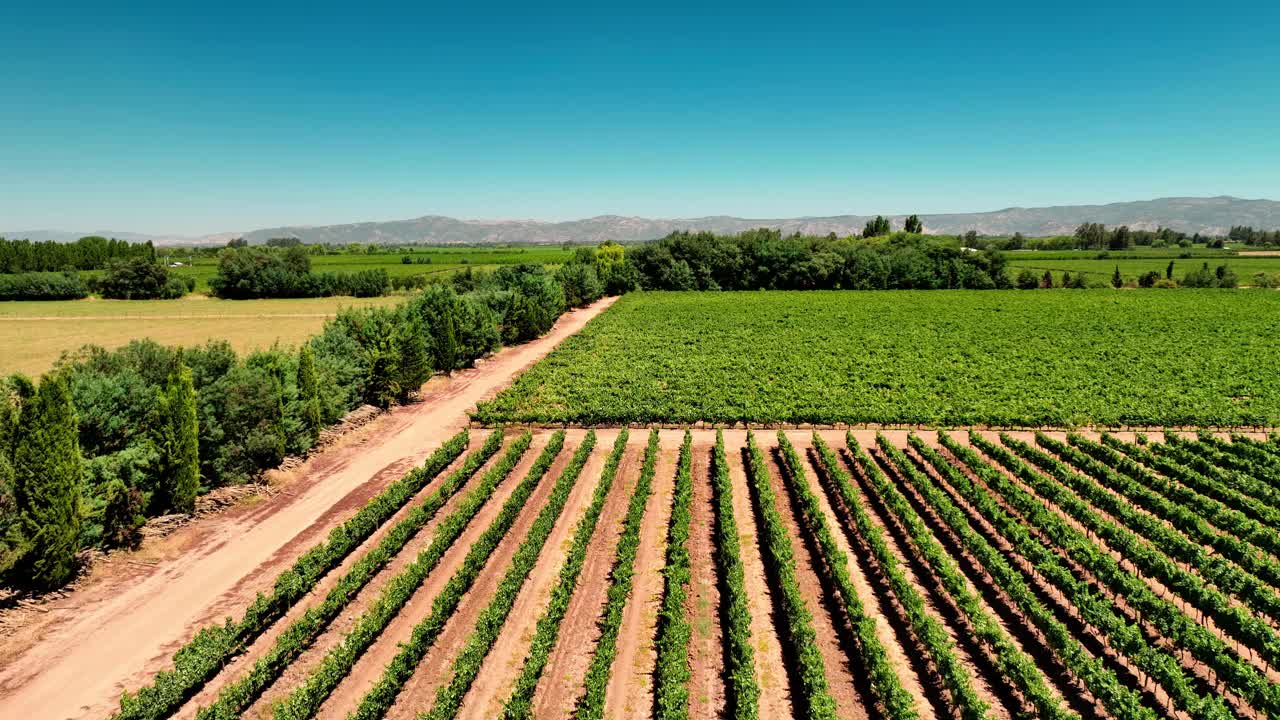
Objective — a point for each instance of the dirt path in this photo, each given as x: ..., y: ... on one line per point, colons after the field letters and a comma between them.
x: 630, y: 691
x: 493, y: 685
x: 771, y: 674
x: 562, y: 679
x: 706, y: 649
x: 124, y: 624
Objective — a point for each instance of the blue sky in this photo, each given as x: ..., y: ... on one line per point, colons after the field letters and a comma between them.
x: 177, y: 118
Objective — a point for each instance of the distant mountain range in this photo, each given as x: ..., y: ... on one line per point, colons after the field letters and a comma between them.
x: 1210, y: 216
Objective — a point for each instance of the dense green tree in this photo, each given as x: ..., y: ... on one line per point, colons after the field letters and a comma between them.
x: 47, y: 470
x: 913, y: 225
x: 140, y: 278
x: 1027, y: 279
x: 413, y: 361
x: 309, y: 394
x: 1046, y: 282
x: 876, y: 227
x: 1168, y: 271
x: 123, y: 514
x: 1119, y: 239
x: 1117, y: 281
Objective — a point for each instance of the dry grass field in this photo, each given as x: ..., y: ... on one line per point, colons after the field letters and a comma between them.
x: 33, y: 335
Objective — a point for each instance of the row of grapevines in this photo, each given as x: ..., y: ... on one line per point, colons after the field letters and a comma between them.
x: 467, y: 665
x: 1121, y: 701
x: 885, y: 683
x: 1230, y: 567
x: 1010, y: 660
x: 1237, y: 536
x: 213, y: 647
x: 1156, y: 549
x: 591, y: 705
x: 1196, y: 480
x: 235, y: 698
x: 671, y: 674
x: 1244, y: 457
x: 742, y: 691
x: 306, y: 699
x: 1248, y: 479
x: 1095, y: 608
x: 520, y: 705
x: 375, y: 704
x: 813, y: 694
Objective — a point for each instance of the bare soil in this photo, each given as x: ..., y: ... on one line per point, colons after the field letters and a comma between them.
x: 562, y: 679
x: 123, y: 624
x: 706, y: 646
x: 506, y: 660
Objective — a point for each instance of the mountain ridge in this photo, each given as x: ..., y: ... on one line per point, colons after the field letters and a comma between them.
x: 1205, y: 215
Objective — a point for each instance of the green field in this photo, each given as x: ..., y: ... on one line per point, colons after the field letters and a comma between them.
x: 442, y: 260
x: 33, y: 335
x: 1132, y: 263
x: 1006, y: 358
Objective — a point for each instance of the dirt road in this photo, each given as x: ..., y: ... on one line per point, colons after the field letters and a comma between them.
x: 124, y: 623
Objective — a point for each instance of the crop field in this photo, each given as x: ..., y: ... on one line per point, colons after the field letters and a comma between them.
x: 426, y: 261
x: 953, y: 358
x: 699, y: 573
x: 1132, y: 267
x: 33, y: 335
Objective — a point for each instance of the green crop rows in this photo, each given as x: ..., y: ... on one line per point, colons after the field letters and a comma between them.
x: 996, y: 358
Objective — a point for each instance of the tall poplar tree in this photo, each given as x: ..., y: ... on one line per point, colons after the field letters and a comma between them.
x: 309, y: 393
x: 47, y: 470
x: 180, y: 443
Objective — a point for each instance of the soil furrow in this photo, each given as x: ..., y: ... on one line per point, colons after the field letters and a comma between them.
x: 706, y: 649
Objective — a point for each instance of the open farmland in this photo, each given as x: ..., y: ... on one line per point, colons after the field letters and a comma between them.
x: 33, y: 335
x: 999, y: 358
x: 1132, y: 266
x: 704, y: 574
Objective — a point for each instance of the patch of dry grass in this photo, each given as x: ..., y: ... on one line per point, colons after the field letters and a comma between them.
x: 33, y: 335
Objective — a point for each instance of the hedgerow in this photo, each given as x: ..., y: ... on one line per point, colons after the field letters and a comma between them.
x: 743, y: 694
x: 590, y: 705
x: 671, y: 674
x: 213, y: 647
x: 520, y: 705
x: 813, y: 696
x: 489, y: 624
x: 305, y: 700
x: 885, y: 683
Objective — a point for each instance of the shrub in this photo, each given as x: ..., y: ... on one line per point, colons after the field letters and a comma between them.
x: 42, y: 286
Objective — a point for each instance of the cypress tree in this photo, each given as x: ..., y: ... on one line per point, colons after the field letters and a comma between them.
x: 183, y: 453
x: 47, y: 470
x: 309, y: 393
x: 446, y: 341
x: 413, y: 363
x: 1116, y: 280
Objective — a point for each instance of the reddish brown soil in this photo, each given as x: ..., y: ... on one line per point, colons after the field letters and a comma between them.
x: 830, y: 626
x: 506, y: 660
x: 706, y: 651
x: 561, y: 682
x: 771, y: 673
x: 436, y: 668
x: 123, y: 624
x: 630, y: 691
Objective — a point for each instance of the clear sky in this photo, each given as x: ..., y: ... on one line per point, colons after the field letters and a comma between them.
x: 199, y: 118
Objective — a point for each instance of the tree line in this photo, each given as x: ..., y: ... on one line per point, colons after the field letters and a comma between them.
x: 109, y: 438
x: 87, y: 253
